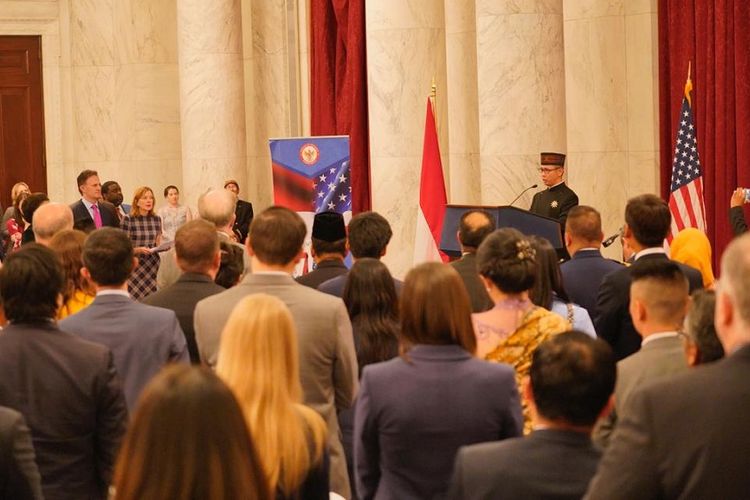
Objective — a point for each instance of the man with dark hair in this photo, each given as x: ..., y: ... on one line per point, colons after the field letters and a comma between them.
x: 328, y: 249
x: 142, y: 338
x: 703, y: 345
x: 474, y: 227
x: 243, y: 211
x: 570, y: 386
x: 65, y: 387
x: 328, y: 365
x: 112, y: 192
x: 197, y: 252
x: 89, y: 212
x: 647, y: 222
x: 583, y: 273
x: 28, y: 208
x: 658, y: 304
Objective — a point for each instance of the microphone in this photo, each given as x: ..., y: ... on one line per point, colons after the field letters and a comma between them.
x: 612, y: 238
x: 522, y: 192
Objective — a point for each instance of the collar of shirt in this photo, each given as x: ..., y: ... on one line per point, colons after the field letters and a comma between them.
x: 588, y: 248
x: 657, y: 336
x: 555, y: 185
x: 113, y: 292
x: 650, y: 251
x: 272, y: 273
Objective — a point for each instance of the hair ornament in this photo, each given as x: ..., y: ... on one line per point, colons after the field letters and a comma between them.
x: 525, y: 250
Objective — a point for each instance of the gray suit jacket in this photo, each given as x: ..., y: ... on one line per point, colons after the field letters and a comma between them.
x: 467, y: 269
x: 328, y: 365
x: 19, y: 475
x: 142, y: 338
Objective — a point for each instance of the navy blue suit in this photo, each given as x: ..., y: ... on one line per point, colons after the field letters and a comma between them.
x: 583, y: 274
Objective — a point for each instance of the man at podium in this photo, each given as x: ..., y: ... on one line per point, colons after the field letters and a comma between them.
x: 556, y: 201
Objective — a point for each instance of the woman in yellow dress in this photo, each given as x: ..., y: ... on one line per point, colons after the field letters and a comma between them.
x: 79, y: 292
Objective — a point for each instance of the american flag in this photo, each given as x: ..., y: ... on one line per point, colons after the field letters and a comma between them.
x: 686, y: 192
x: 333, y: 189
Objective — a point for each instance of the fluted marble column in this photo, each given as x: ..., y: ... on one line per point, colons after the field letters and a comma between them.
x: 212, y: 106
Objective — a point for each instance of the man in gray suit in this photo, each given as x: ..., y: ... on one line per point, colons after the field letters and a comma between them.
x: 473, y: 228
x: 328, y: 365
x: 142, y: 338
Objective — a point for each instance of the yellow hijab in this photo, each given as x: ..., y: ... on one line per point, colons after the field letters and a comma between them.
x: 691, y: 247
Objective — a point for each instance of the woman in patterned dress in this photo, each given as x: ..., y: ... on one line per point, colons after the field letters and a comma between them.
x: 173, y: 215
x: 144, y: 228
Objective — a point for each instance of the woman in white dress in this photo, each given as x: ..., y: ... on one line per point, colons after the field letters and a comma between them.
x: 173, y: 215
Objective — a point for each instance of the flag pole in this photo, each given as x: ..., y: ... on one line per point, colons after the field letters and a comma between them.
x: 689, y: 85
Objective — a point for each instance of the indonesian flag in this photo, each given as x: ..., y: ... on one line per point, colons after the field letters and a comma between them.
x: 432, y: 198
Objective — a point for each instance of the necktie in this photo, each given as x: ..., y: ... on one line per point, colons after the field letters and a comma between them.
x: 97, y: 216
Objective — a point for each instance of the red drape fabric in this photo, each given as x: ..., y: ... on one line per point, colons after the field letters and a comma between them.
x: 338, y: 61
x: 714, y: 36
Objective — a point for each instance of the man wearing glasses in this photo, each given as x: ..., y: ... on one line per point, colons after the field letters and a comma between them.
x: 557, y: 200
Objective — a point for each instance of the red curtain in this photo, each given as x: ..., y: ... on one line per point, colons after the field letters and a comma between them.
x: 714, y: 36
x: 338, y: 59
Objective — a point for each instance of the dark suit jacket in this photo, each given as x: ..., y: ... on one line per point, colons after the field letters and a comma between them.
x: 142, y: 338
x: 467, y: 269
x: 737, y: 219
x: 181, y: 298
x: 19, y: 475
x: 71, y: 397
x: 243, y: 217
x: 583, y: 274
x: 554, y: 202
x: 548, y: 464
x: 82, y: 218
x: 684, y: 437
x: 325, y: 271
x: 612, y: 320
x: 413, y: 416
x: 335, y: 286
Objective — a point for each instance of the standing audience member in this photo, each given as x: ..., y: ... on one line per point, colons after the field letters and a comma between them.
x: 328, y: 366
x: 112, y: 193
x: 143, y: 227
x: 258, y: 361
x: 692, y: 248
x: 142, y: 338
x: 29, y: 207
x: 15, y: 224
x: 703, y: 345
x: 197, y: 254
x: 16, y: 191
x: 50, y: 219
x: 571, y: 381
x: 686, y: 436
x: 65, y: 387
x: 243, y: 212
x: 88, y: 212
x: 328, y: 249
x: 231, y: 267
x: 187, y: 441
x: 173, y: 215
x: 474, y: 227
x: 78, y: 291
x: 19, y: 475
x: 414, y: 412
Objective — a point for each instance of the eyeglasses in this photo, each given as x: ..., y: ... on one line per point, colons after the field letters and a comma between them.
x: 547, y: 170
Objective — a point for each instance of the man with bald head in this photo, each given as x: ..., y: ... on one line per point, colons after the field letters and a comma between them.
x: 49, y: 219
x: 474, y: 227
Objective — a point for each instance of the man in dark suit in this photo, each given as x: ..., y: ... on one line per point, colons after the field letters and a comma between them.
x: 19, y: 475
x: 198, y: 257
x: 647, y: 222
x: 557, y: 200
x: 687, y: 436
x: 328, y: 249
x: 142, y: 338
x: 473, y: 228
x: 583, y: 273
x: 112, y: 192
x: 571, y: 382
x: 736, y: 212
x: 66, y: 388
x: 89, y: 212
x: 243, y: 211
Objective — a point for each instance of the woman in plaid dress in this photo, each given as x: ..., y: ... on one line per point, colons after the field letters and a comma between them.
x: 144, y: 228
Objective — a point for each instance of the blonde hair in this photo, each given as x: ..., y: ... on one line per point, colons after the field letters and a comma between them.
x: 258, y: 360
x: 16, y: 190
x: 135, y: 211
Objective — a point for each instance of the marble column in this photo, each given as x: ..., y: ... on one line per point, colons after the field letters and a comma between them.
x: 212, y: 106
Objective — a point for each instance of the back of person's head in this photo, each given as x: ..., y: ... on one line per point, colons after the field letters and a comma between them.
x: 31, y: 204
x: 549, y: 281
x: 232, y: 265
x: 30, y: 281
x: 435, y: 308
x: 258, y: 360
x: 217, y: 207
x: 369, y: 235
x: 572, y: 377
x: 68, y: 246
x: 277, y: 235
x: 584, y: 224
x: 660, y: 286
x: 699, y: 326
x: 188, y: 439
x: 196, y: 245
x: 507, y: 259
x: 329, y: 234
x: 733, y: 295
x: 51, y: 218
x: 474, y: 227
x: 108, y: 256
x: 17, y: 204
x: 691, y: 247
x: 649, y: 219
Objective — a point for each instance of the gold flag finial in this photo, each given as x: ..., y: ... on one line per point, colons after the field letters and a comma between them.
x: 689, y: 85
x: 433, y: 89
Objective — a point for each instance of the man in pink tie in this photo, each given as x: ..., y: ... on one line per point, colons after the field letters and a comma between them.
x: 88, y: 212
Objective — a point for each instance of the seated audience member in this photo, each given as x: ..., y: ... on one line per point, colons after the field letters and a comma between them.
x: 78, y: 292
x: 703, y: 345
x: 231, y: 267
x: 414, y: 412
x: 369, y: 234
x: 112, y: 193
x: 647, y: 222
x: 686, y: 436
x: 243, y: 212
x: 258, y: 361
x: 474, y: 227
x: 549, y: 292
x: 328, y: 249
x: 691, y: 247
x: 328, y: 366
x: 658, y: 303
x: 584, y: 272
x: 571, y: 381
x: 50, y: 219
x: 198, y: 256
x: 91, y: 212
x: 30, y: 205
x: 19, y: 475
x: 736, y: 213
x: 15, y: 224
x: 188, y: 440
x: 142, y: 338
x: 66, y: 388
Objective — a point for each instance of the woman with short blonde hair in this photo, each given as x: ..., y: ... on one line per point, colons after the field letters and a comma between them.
x: 144, y: 229
x: 258, y: 360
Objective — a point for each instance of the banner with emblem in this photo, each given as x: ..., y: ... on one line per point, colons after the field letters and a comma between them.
x: 311, y: 175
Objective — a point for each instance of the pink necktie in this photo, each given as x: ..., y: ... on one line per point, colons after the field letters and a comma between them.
x: 97, y: 216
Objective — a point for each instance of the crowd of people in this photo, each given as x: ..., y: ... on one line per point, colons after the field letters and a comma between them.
x: 158, y: 354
